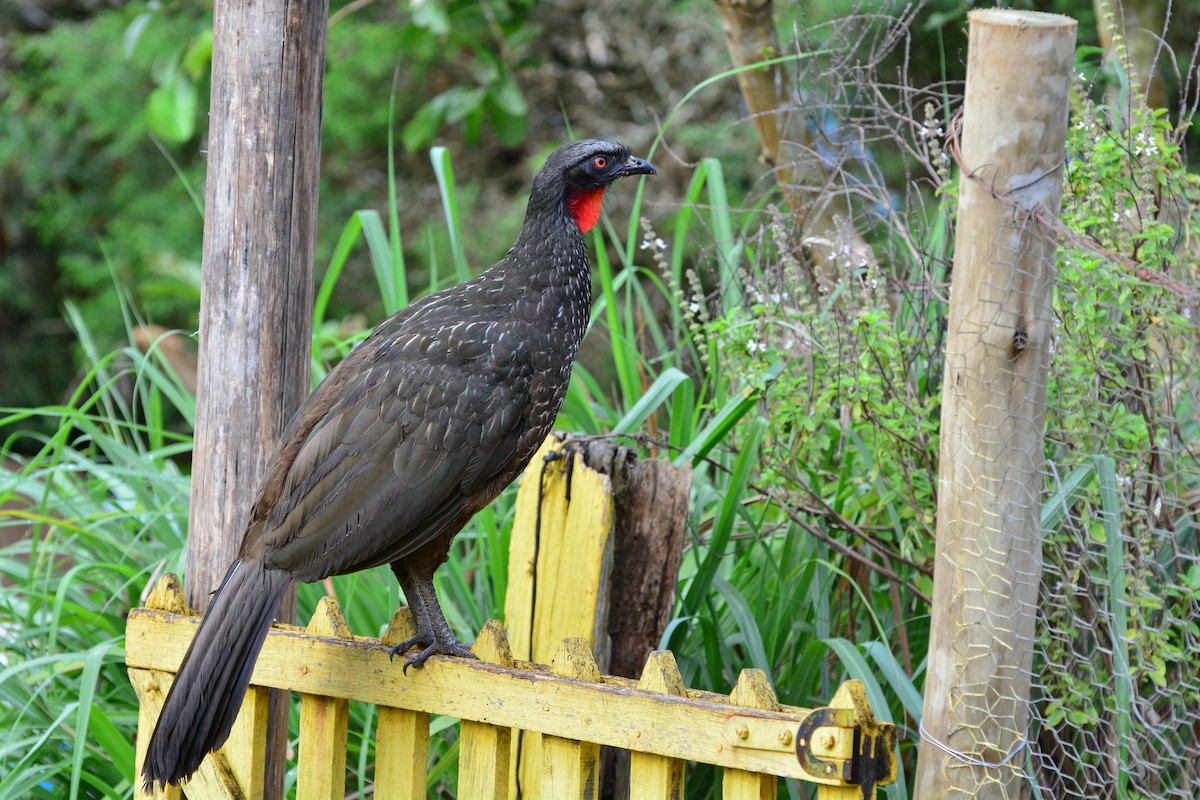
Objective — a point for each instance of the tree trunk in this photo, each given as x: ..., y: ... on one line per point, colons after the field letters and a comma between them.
x: 256, y: 294
x: 989, y: 559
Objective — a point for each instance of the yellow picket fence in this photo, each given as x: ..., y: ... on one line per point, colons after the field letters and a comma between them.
x: 841, y: 748
x: 563, y: 531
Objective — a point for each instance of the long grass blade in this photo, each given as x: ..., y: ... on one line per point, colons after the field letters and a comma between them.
x: 1110, y: 507
x: 657, y: 395
x: 743, y: 468
x: 718, y: 427
x: 444, y: 170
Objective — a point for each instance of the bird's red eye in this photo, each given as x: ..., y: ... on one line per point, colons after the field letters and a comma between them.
x: 601, y: 162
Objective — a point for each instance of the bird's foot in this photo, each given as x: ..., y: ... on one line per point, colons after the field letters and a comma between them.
x: 431, y: 647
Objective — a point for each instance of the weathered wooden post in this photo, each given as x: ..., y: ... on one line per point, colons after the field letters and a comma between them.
x: 256, y: 296
x: 989, y: 484
x: 568, y: 533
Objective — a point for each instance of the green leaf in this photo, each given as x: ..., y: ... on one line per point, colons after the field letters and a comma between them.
x: 747, y: 624
x: 510, y: 128
x: 133, y: 33
x: 423, y: 126
x: 430, y: 15
x: 461, y: 101
x: 171, y: 109
x: 507, y: 96
x: 444, y: 170
x: 658, y: 394
x: 198, y: 57
x: 718, y: 427
x: 341, y: 252
x: 743, y: 469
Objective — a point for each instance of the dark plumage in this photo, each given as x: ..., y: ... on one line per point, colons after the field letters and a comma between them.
x: 420, y: 427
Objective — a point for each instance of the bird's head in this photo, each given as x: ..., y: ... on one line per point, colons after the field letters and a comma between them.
x: 575, y: 176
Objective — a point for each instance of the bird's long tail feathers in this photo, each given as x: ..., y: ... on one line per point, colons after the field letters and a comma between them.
x: 211, y: 683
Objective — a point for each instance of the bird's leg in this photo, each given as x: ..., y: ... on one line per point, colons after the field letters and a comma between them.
x: 433, y: 632
x: 416, y: 605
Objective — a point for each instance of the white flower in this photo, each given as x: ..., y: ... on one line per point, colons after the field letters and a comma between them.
x: 1144, y: 144
x: 693, y: 307
x: 753, y: 347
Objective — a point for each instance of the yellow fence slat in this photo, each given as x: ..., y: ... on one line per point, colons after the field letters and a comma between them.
x: 654, y: 777
x: 401, y: 752
x: 569, y: 580
x: 484, y: 758
x: 529, y: 697
x: 570, y: 768
x: 402, y: 736
x: 572, y: 706
x: 235, y: 771
x: 752, y: 691
x: 151, y: 688
x: 321, y: 773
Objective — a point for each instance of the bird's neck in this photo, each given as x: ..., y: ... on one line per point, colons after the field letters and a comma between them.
x: 552, y: 248
x: 548, y: 265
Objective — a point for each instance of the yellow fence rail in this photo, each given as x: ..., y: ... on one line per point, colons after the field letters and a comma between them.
x: 841, y: 748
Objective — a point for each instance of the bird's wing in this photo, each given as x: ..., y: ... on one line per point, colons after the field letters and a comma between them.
x: 411, y: 433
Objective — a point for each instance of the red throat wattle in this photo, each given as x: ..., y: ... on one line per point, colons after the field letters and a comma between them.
x: 584, y: 205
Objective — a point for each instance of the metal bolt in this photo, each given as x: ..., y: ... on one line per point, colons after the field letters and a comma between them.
x: 829, y: 768
x: 742, y: 732
x: 828, y: 741
x: 785, y: 738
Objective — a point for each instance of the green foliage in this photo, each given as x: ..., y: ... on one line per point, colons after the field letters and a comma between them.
x: 104, y: 506
x: 1120, y: 367
x: 88, y: 194
x: 805, y: 397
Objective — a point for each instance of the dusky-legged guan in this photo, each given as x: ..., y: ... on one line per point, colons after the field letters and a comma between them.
x: 420, y: 427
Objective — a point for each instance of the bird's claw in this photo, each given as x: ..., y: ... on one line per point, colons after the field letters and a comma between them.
x: 432, y: 648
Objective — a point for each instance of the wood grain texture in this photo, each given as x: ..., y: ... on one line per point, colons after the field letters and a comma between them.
x: 616, y: 713
x: 753, y: 690
x: 401, y: 753
x: 654, y: 777
x: 651, y: 525
x: 324, y: 721
x: 264, y: 145
x: 988, y: 557
x: 485, y: 751
x: 564, y: 520
x: 571, y: 768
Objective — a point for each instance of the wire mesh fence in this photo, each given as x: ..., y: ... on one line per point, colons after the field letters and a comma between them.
x: 854, y: 300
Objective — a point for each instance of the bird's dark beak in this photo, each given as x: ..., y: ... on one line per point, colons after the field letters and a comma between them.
x: 636, y: 166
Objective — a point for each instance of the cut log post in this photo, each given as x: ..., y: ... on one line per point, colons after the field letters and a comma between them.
x: 988, y: 558
x: 264, y: 149
x: 595, y: 506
